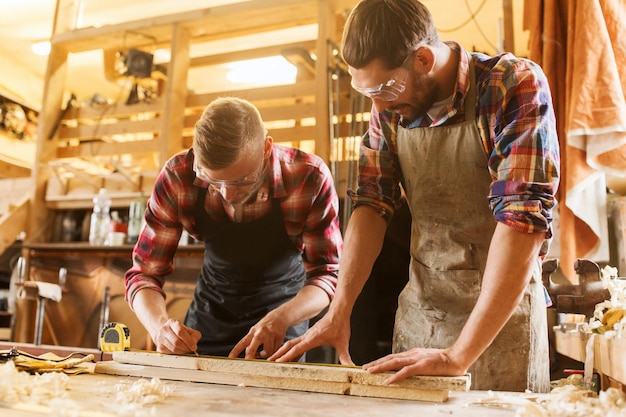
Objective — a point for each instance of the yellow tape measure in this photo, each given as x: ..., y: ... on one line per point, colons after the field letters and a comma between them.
x: 114, y: 337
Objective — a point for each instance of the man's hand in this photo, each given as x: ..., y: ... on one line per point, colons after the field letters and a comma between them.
x: 326, y: 331
x: 174, y: 337
x: 263, y: 338
x: 416, y: 361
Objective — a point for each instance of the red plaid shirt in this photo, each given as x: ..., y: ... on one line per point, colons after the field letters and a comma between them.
x: 516, y: 122
x: 308, y: 200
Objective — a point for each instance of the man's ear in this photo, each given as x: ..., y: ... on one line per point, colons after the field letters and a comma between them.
x: 268, y: 146
x: 424, y: 59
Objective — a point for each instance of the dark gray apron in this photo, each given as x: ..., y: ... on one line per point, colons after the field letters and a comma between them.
x: 446, y: 180
x: 249, y: 269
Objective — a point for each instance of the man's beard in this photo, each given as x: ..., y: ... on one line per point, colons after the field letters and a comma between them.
x: 426, y: 90
x: 249, y: 196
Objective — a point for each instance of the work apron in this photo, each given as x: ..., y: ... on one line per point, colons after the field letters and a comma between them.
x: 249, y: 269
x: 446, y: 180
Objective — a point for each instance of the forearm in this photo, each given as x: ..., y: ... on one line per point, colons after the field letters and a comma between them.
x: 512, y: 256
x: 308, y: 303
x: 149, y: 307
x: 362, y: 245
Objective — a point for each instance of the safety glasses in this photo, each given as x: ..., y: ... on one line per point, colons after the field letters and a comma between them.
x: 390, y: 90
x: 248, y: 180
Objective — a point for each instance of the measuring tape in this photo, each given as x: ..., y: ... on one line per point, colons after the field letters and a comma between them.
x: 114, y: 337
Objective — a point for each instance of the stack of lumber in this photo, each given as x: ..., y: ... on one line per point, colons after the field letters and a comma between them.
x: 609, y: 353
x: 323, y: 378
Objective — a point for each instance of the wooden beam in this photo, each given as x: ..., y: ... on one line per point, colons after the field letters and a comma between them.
x: 53, y: 95
x: 204, y: 25
x: 326, y: 33
x: 115, y: 110
x: 329, y: 378
x: 509, y: 28
x: 10, y: 170
x: 14, y: 222
x: 258, y: 95
x: 246, y: 54
x: 175, y: 94
x: 121, y: 127
x: 91, y: 149
x: 288, y: 111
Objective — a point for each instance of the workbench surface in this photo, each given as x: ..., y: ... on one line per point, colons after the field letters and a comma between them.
x: 95, y: 395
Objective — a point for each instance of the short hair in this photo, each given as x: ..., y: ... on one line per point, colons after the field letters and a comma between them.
x: 228, y: 129
x: 388, y: 30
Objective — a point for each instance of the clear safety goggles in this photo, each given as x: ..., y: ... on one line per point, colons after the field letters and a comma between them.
x: 390, y: 90
x: 249, y: 180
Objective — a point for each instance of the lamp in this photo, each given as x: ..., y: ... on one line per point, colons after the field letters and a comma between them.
x: 138, y: 63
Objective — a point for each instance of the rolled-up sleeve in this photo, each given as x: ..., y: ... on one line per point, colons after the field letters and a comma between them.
x: 379, y: 170
x: 311, y: 212
x: 525, y: 159
x: 155, y: 249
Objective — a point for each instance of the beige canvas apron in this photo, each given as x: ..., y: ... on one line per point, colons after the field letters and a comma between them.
x: 446, y: 180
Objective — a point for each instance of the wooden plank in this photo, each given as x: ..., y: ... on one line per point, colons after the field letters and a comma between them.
x: 323, y: 120
x: 571, y: 343
x: 8, y: 169
x: 175, y: 95
x: 609, y: 352
x: 246, y: 54
x: 196, y: 375
x: 324, y: 378
x: 508, y: 43
x: 89, y: 149
x: 14, y: 222
x: 256, y: 95
x: 106, y: 129
x: 53, y: 92
x: 116, y: 110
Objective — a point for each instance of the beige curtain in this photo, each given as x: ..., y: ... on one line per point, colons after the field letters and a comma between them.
x: 581, y: 46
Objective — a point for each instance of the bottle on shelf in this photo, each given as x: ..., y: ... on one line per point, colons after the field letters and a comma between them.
x: 116, y: 232
x: 135, y: 218
x: 100, y: 218
x: 69, y: 227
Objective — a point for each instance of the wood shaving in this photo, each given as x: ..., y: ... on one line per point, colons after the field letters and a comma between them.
x: 504, y: 401
x: 142, y: 391
x: 133, y: 398
x: 50, y: 391
x: 615, y: 284
x: 19, y: 386
x: 571, y: 401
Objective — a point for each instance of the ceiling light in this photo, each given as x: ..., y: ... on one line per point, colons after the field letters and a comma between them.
x: 270, y: 70
x: 162, y: 55
x: 41, y: 48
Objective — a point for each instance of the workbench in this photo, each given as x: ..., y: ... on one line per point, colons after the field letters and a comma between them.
x: 96, y: 392
x: 95, y: 395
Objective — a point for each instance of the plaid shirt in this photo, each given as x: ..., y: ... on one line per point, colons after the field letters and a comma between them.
x: 516, y: 122
x: 301, y: 182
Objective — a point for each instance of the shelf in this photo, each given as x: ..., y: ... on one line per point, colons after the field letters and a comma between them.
x: 72, y: 248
